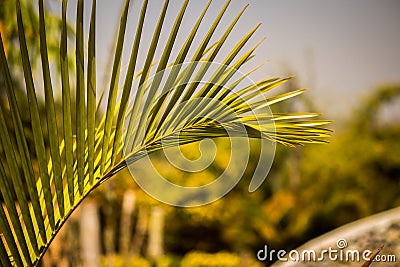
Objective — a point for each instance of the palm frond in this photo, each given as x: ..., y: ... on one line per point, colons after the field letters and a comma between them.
x: 187, y: 100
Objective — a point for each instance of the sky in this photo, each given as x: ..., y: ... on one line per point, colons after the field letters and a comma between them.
x: 341, y: 50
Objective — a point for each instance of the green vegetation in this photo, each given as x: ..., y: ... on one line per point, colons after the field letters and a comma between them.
x: 310, y: 190
x: 84, y: 149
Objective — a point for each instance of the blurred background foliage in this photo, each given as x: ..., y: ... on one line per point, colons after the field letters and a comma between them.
x: 308, y: 192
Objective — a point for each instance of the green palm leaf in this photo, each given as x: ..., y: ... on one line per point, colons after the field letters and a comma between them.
x: 160, y: 115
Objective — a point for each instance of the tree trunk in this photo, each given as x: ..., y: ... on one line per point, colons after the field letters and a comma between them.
x: 128, y: 206
x: 90, y: 234
x: 155, y: 245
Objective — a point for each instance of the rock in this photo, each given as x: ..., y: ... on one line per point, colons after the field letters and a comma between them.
x: 350, y: 242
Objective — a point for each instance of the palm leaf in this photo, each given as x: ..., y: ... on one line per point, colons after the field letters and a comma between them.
x: 161, y: 114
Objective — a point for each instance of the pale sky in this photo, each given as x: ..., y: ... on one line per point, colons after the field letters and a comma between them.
x: 340, y: 49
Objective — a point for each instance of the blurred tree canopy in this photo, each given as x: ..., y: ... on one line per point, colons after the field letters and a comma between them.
x: 309, y: 190
x: 9, y: 32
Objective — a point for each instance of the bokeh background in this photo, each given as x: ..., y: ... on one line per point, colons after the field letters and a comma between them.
x: 346, y: 52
